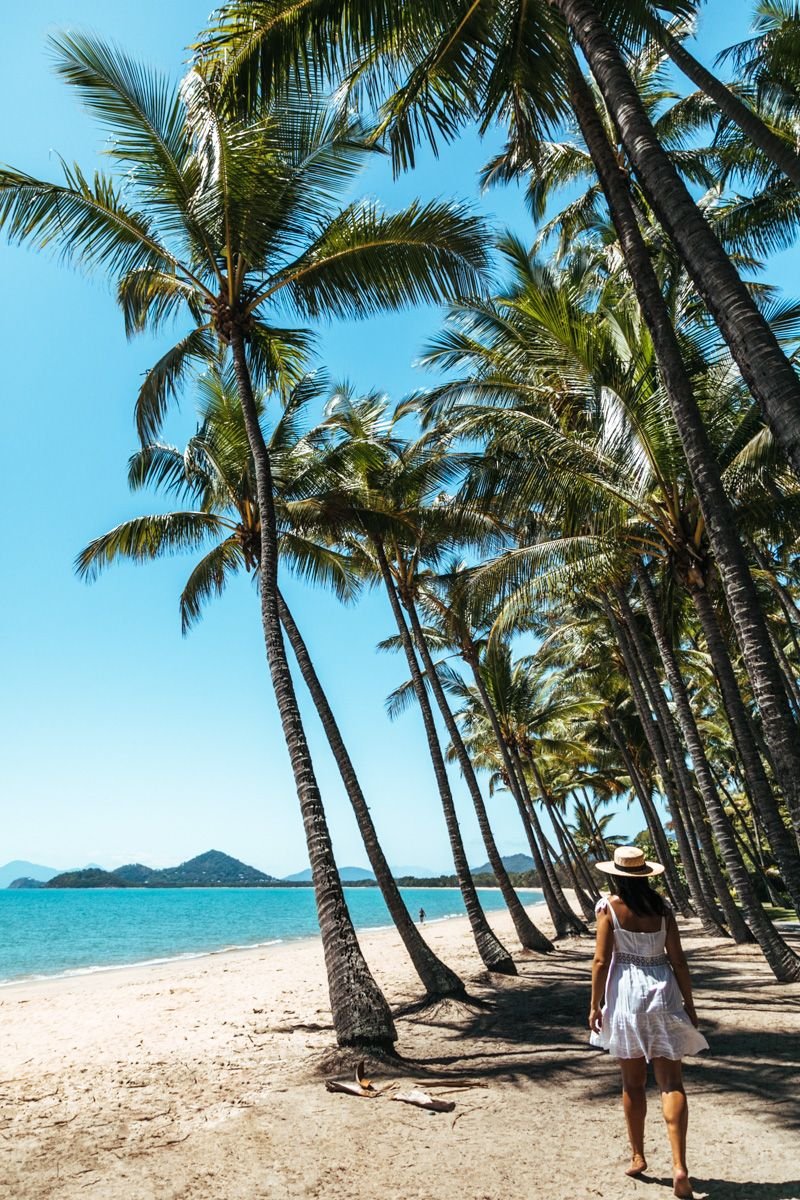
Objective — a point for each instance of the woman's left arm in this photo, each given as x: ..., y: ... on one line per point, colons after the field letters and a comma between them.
x: 604, y: 948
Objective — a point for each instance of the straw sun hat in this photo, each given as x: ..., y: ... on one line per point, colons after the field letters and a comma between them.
x: 629, y: 860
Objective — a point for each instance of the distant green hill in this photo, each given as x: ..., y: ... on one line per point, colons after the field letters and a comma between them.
x: 92, y: 877
x: 25, y: 881
x: 212, y: 869
x: 516, y: 863
x: 136, y: 873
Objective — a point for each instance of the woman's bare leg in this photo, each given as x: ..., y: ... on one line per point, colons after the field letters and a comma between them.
x: 669, y: 1077
x: 634, y: 1105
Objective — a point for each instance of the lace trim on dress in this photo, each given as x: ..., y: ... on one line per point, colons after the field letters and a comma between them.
x: 641, y: 960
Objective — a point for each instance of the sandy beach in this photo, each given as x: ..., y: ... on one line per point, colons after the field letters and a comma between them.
x: 204, y: 1080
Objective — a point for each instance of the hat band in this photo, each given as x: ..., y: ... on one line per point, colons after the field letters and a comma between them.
x: 632, y: 870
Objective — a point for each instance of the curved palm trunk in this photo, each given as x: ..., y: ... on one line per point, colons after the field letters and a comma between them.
x: 729, y: 104
x: 561, y: 919
x: 437, y: 979
x: 567, y: 923
x: 790, y: 683
x: 361, y: 1015
x: 751, y: 842
x: 676, y: 890
x: 530, y: 937
x: 748, y: 840
x: 712, y: 883
x: 493, y: 953
x: 548, y: 803
x: 758, y: 785
x: 600, y: 840
x: 740, y: 592
x: 702, y: 770
x: 784, y: 963
x: 578, y: 859
x: 785, y: 599
x: 677, y: 756
x: 755, y: 349
x: 653, y: 736
x: 584, y: 901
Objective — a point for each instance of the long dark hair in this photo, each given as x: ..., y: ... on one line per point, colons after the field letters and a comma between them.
x: 639, y: 896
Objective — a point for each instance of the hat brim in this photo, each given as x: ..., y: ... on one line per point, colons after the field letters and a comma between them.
x: 611, y: 868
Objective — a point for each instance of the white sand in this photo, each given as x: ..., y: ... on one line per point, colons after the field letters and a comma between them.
x: 202, y: 1080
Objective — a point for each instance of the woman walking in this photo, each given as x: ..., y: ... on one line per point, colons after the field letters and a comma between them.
x: 642, y: 1009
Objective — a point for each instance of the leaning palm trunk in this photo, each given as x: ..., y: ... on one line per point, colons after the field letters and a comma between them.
x: 571, y: 850
x: 773, y: 147
x: 709, y: 874
x: 785, y: 599
x: 585, y: 902
x: 567, y: 923
x: 547, y: 801
x: 691, y: 733
x: 652, y: 734
x: 437, y: 979
x: 677, y: 755
x: 676, y: 890
x: 601, y: 843
x: 761, y: 794
x: 789, y: 681
x: 755, y: 349
x: 561, y: 919
x: 494, y: 955
x: 784, y: 962
x: 361, y: 1015
x: 530, y: 937
x: 720, y: 520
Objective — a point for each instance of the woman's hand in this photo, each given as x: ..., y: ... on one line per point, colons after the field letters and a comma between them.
x: 595, y: 1020
x: 692, y: 1015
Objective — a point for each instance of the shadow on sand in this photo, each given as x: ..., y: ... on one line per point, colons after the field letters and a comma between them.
x: 721, y: 1189
x: 535, y: 1027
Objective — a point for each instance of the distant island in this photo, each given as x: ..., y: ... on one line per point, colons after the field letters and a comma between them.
x: 212, y: 869
x: 215, y: 869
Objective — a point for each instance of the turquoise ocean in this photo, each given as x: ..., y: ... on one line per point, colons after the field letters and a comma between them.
x: 65, y: 932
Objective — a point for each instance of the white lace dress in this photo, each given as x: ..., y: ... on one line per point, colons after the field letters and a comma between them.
x: 643, y: 1013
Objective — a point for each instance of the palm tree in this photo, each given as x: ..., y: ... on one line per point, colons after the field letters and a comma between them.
x: 537, y: 332
x: 373, y: 510
x: 778, y: 150
x: 542, y: 454
x: 446, y: 63
x: 511, y: 62
x: 441, y: 680
x: 590, y: 830
x: 506, y: 717
x: 215, y: 471
x: 445, y: 600
x: 740, y: 592
x: 226, y: 221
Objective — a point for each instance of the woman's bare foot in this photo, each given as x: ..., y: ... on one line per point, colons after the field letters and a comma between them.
x: 682, y: 1184
x: 638, y: 1165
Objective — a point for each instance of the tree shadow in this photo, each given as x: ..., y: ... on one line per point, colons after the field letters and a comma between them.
x: 723, y: 1189
x: 535, y: 1028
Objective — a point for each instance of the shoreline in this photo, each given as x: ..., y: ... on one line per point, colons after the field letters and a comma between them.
x: 365, y: 932
x: 95, y: 969
x: 203, y: 1079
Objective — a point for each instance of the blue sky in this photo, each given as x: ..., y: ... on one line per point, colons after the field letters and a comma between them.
x: 121, y: 741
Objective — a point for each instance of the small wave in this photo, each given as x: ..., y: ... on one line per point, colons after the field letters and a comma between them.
x: 96, y: 969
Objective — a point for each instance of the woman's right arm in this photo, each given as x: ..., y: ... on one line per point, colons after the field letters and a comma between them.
x: 679, y: 965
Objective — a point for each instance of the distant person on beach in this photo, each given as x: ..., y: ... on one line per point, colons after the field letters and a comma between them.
x: 422, y: 916
x: 642, y: 1009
